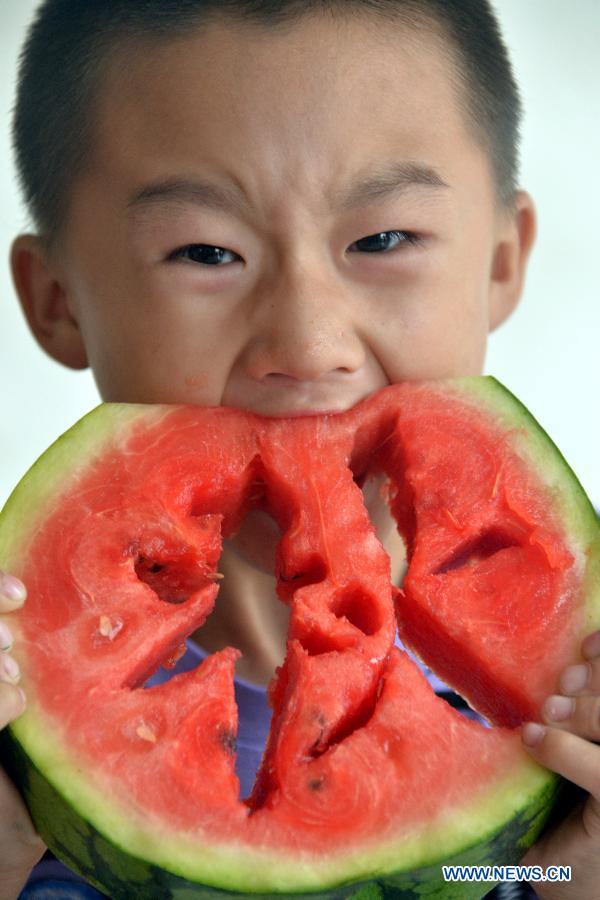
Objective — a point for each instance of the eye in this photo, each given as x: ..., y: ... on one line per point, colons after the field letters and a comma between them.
x: 383, y: 242
x: 205, y: 254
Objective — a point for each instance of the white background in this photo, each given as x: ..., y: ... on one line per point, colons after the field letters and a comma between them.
x: 547, y: 353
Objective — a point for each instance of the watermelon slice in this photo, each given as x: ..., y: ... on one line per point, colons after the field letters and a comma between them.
x: 369, y: 781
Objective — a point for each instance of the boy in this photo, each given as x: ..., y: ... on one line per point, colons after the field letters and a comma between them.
x: 281, y: 206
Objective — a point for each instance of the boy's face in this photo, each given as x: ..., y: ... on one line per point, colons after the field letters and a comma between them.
x: 295, y: 153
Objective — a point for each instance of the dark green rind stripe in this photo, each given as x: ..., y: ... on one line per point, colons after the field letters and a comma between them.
x: 507, y: 847
x: 122, y: 876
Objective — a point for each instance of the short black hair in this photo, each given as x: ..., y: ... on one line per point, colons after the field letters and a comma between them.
x: 70, y: 41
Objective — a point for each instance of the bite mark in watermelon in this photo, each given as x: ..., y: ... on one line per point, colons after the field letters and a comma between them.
x: 369, y: 781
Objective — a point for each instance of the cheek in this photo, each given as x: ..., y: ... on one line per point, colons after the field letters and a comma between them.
x: 437, y: 328
x: 147, y: 350
x: 149, y: 342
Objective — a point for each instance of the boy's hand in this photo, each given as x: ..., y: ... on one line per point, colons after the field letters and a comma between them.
x: 20, y: 847
x: 565, y: 745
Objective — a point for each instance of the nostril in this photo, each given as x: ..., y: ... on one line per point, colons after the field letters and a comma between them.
x: 302, y: 340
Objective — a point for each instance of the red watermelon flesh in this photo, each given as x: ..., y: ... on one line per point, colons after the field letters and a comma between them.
x: 362, y: 755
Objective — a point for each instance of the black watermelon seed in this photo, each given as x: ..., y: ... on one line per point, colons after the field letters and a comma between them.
x: 315, y: 784
x: 292, y: 577
x: 228, y: 741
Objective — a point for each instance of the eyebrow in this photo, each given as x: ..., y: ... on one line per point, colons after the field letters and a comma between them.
x: 189, y: 191
x: 392, y: 180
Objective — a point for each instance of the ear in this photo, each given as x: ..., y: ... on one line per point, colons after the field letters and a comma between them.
x: 515, y: 237
x: 45, y: 301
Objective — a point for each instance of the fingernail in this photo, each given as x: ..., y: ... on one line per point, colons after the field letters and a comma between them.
x: 591, y: 645
x: 532, y: 733
x: 575, y: 678
x: 11, y: 668
x: 12, y: 588
x: 6, y: 638
x: 557, y: 708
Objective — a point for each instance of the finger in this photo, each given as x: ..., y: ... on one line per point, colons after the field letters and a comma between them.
x: 568, y: 754
x: 20, y: 846
x: 12, y: 592
x: 6, y: 638
x: 9, y: 669
x: 12, y: 703
x: 580, y: 715
x: 590, y: 647
x: 582, y: 679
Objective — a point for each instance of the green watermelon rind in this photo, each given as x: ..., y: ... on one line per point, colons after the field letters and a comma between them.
x: 40, y: 486
x: 266, y: 872
x: 245, y: 868
x: 116, y: 870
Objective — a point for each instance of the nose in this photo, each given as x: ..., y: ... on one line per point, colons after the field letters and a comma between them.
x: 305, y: 326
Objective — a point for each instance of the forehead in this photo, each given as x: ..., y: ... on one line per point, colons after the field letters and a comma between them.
x: 308, y: 106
